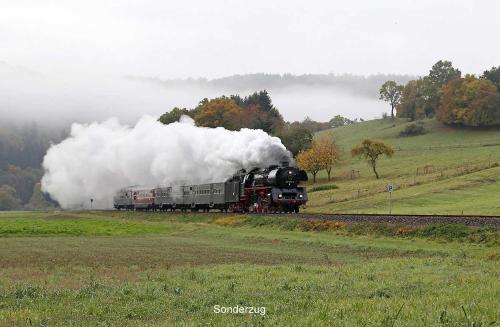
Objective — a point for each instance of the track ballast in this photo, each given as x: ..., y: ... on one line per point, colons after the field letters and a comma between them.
x: 413, y: 220
x: 407, y: 219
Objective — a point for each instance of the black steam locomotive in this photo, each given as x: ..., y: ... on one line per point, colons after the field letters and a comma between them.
x: 261, y: 190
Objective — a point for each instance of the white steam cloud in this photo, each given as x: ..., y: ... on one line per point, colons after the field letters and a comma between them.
x: 98, y: 159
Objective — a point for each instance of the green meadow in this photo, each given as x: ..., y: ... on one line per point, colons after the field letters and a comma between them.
x: 142, y: 269
x: 445, y: 171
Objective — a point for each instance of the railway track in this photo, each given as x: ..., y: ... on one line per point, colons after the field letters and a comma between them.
x: 412, y: 220
x: 408, y: 220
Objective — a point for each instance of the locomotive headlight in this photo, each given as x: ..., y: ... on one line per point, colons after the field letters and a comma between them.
x: 300, y: 196
x: 280, y: 196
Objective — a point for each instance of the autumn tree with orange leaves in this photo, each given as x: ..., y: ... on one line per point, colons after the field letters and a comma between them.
x: 328, y: 151
x: 310, y: 162
x: 470, y: 101
x: 217, y: 112
x: 255, y: 111
x: 324, y: 154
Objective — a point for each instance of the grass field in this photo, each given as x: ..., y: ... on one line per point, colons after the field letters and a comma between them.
x: 136, y: 269
x: 463, y: 173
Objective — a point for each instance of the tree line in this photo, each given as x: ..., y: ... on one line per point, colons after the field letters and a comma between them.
x: 446, y: 95
x: 255, y: 111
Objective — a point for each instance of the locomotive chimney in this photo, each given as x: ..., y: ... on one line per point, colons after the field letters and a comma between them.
x: 285, y: 163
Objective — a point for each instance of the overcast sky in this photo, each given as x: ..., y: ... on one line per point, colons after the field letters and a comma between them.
x: 177, y: 39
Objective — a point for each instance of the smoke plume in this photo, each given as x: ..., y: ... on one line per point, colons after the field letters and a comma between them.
x: 98, y: 159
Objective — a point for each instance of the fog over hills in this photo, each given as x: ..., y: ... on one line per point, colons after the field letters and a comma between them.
x: 29, y: 96
x: 319, y: 96
x: 355, y: 84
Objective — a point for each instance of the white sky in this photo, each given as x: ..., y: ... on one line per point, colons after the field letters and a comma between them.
x: 214, y: 38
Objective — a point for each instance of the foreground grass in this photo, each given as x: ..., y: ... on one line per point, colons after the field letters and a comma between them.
x: 366, y: 293
x: 176, y: 276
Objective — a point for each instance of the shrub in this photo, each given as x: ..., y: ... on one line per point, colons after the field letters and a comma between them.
x: 28, y: 291
x: 446, y: 231
x: 372, y: 229
x: 325, y: 187
x: 228, y: 221
x: 413, y: 130
x: 319, y: 225
x: 406, y: 231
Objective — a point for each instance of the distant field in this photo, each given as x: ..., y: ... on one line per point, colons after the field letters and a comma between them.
x: 463, y: 173
x: 136, y: 269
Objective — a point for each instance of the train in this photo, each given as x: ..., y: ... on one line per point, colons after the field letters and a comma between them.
x: 273, y: 189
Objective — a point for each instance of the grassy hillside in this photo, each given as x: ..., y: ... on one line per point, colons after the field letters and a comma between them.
x: 462, y: 175
x: 163, y: 269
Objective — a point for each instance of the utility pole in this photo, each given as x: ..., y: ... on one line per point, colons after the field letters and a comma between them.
x: 91, y: 202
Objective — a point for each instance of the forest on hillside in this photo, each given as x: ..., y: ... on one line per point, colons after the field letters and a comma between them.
x: 22, y: 149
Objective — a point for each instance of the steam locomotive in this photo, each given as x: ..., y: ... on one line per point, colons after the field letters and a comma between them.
x: 260, y: 190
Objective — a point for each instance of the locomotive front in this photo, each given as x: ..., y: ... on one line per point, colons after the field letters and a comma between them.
x: 286, y: 194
